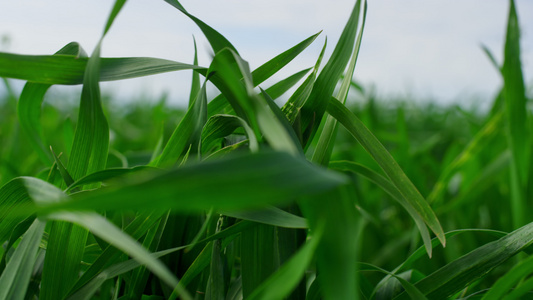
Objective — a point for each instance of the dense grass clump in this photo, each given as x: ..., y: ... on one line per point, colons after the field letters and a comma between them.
x: 235, y: 197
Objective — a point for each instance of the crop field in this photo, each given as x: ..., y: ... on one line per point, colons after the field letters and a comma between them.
x: 236, y: 197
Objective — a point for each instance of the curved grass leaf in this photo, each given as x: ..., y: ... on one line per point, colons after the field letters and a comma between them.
x: 69, y: 69
x: 104, y: 175
x: 459, y: 273
x: 220, y: 126
x: 17, y: 274
x: 198, y: 187
x: 216, y: 40
x: 388, y: 187
x: 388, y: 164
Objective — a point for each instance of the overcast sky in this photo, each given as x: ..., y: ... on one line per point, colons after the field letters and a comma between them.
x: 425, y: 48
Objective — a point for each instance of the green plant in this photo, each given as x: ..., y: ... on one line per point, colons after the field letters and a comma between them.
x: 244, y: 199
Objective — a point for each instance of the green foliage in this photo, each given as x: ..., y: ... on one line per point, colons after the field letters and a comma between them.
x: 236, y: 197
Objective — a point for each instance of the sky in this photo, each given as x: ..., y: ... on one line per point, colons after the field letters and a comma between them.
x: 422, y: 49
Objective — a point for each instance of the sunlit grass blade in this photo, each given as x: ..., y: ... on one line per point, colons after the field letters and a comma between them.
x: 283, y: 281
x: 388, y: 164
x: 456, y: 275
x: 326, y: 81
x: 17, y: 274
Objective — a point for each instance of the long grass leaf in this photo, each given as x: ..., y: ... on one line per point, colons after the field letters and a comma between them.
x: 388, y: 164
x: 456, y: 275
x: 282, y: 178
x: 281, y: 283
x: 388, y: 187
x: 17, y: 274
x: 504, y: 285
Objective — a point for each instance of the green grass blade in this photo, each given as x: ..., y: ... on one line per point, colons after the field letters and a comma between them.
x: 258, y: 256
x: 29, y: 108
x: 99, y: 226
x: 338, y: 251
x: 388, y: 187
x: 13, y: 196
x: 270, y: 215
x: 504, y: 285
x: 282, y: 178
x: 187, y: 133
x: 17, y: 274
x: 281, y: 283
x: 220, y: 126
x: 272, y: 66
x: 215, y: 39
x: 516, y: 118
x: 456, y: 275
x: 104, y: 175
x: 69, y: 69
x: 476, y: 145
x: 388, y: 164
x: 326, y: 81
x: 195, y: 82
x: 326, y: 141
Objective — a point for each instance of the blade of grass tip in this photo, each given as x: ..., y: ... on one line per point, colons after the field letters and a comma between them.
x: 300, y: 96
x: 195, y: 84
x: 281, y: 283
x: 327, y: 80
x: 215, y: 39
x: 458, y: 274
x: 270, y: 215
x: 326, y: 141
x: 271, y: 67
x: 266, y: 70
x: 516, y: 117
x: 17, y: 274
x: 391, y: 168
x: 62, y: 170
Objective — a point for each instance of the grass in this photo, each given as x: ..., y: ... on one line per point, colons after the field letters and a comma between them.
x: 236, y: 197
